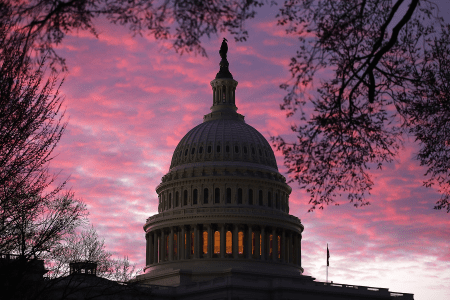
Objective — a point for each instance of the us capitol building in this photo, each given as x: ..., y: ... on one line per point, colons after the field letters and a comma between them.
x: 223, y: 228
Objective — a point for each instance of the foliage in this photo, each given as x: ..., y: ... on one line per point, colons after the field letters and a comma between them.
x: 46, y: 22
x: 387, y: 76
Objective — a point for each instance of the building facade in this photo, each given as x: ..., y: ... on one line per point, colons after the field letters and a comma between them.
x: 223, y: 215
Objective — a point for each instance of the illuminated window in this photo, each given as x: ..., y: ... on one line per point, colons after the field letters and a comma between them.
x: 279, y: 247
x: 270, y: 246
x: 205, y: 242
x: 217, y: 242
x: 241, y: 242
x: 167, y: 247
x: 253, y: 243
x: 175, y: 245
x: 229, y: 243
x: 260, y: 244
x: 192, y: 243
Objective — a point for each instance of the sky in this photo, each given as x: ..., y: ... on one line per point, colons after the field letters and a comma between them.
x: 130, y: 100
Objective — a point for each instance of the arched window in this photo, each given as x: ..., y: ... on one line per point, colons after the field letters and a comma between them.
x: 205, y: 242
x: 185, y: 197
x: 269, y: 199
x: 218, y: 148
x: 261, y: 201
x: 239, y: 196
x: 194, y: 201
x: 250, y: 197
x: 200, y: 150
x: 177, y: 196
x: 228, y: 195
x: 229, y: 243
x: 217, y: 196
x: 241, y: 242
x: 205, y: 196
x: 227, y: 149
x: 175, y: 244
x: 217, y: 242
x: 209, y: 149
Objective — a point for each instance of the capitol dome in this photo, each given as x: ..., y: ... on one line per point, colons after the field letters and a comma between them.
x: 221, y: 142
x: 223, y: 205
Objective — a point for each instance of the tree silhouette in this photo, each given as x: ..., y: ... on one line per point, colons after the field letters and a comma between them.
x: 388, y: 77
x: 45, y: 23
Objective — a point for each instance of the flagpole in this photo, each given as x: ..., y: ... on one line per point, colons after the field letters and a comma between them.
x: 328, y: 261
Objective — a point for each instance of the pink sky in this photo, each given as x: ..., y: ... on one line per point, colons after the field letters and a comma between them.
x: 131, y: 100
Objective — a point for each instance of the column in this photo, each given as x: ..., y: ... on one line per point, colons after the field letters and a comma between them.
x: 222, y: 241
x: 155, y: 248
x: 150, y: 248
x: 147, y: 251
x: 210, y: 240
x: 257, y: 241
x: 171, y: 244
x: 296, y: 248
x: 299, y: 250
x: 162, y: 248
x: 289, y: 247
x: 249, y: 243
x: 283, y: 245
x: 235, y: 241
x: 188, y: 242
x: 196, y: 242
x: 263, y: 243
x: 181, y: 254
x: 274, y: 244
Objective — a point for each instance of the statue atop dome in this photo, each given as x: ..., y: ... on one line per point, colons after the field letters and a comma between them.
x: 224, y: 49
x: 224, y: 72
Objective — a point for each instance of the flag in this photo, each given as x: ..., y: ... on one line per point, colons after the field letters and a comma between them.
x: 328, y: 257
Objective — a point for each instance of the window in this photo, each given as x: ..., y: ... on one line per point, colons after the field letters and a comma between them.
x: 217, y: 242
x: 261, y: 202
x: 245, y: 150
x: 229, y: 243
x: 205, y: 196
x: 175, y: 244
x: 205, y: 242
x: 224, y: 89
x: 228, y: 195
x: 236, y: 149
x: 218, y: 148
x: 185, y: 152
x: 209, y: 149
x: 185, y: 197
x: 253, y: 151
x: 200, y: 150
x: 227, y: 149
x: 260, y: 152
x: 239, y: 196
x: 177, y: 196
x: 250, y: 197
x: 195, y: 197
x: 241, y: 242
x: 192, y: 150
x: 217, y: 196
x: 269, y: 199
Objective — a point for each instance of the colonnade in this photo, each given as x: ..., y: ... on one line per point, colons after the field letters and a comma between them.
x: 235, y: 241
